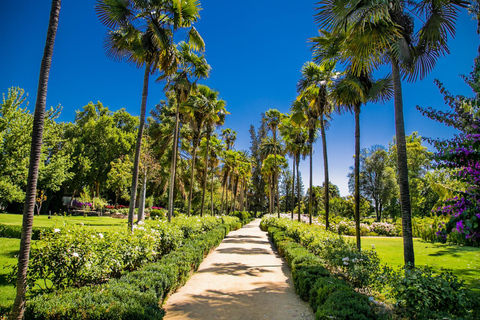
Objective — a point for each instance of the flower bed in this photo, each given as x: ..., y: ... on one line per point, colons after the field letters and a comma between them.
x: 413, y: 293
x: 80, y: 256
x: 137, y: 294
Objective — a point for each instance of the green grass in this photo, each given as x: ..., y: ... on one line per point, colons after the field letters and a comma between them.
x: 99, y: 223
x: 8, y: 251
x: 463, y: 261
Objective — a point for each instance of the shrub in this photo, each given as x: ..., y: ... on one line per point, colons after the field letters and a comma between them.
x: 157, y: 214
x: 423, y: 294
x: 10, y: 231
x: 136, y: 294
x: 354, y: 306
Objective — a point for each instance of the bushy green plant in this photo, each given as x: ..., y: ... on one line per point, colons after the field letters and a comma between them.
x: 157, y: 214
x: 421, y: 293
x: 136, y: 295
x: 345, y: 304
x: 11, y: 231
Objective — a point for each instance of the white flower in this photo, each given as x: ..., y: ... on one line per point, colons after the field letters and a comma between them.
x: 75, y: 254
x: 346, y: 259
x: 81, y: 223
x: 345, y: 263
x: 56, y: 230
x: 100, y: 236
x: 373, y: 246
x: 140, y: 222
x: 135, y: 226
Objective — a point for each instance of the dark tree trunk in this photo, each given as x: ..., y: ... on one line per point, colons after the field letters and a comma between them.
x: 211, y: 193
x: 293, y: 185
x: 357, y: 176
x: 205, y: 176
x: 298, y: 190
x: 275, y: 174
x: 325, y: 166
x: 408, y: 252
x: 173, y: 168
x: 35, y: 152
x: 310, y: 202
x: 143, y: 193
x: 133, y: 192
x: 194, y: 156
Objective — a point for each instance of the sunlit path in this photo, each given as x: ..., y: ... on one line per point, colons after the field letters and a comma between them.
x: 243, y: 278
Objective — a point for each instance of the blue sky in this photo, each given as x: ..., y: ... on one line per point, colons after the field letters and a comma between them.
x: 256, y: 50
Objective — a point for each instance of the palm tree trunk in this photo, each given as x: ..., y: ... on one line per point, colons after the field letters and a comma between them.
x: 143, y: 193
x: 408, y: 254
x: 357, y: 176
x: 211, y: 193
x: 242, y: 207
x: 298, y: 190
x: 194, y: 155
x: 35, y: 153
x: 205, y: 175
x: 293, y: 185
x: 275, y: 167
x: 173, y: 167
x: 227, y: 183
x: 325, y: 166
x: 310, y: 142
x: 133, y: 192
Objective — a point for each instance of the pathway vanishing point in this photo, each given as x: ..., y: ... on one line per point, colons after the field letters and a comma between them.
x: 242, y: 279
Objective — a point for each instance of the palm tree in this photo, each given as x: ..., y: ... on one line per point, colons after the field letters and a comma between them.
x: 273, y: 118
x: 204, y: 110
x: 349, y: 94
x: 295, y: 138
x: 141, y: 32
x: 269, y: 166
x: 373, y: 32
x: 35, y: 152
x: 313, y: 88
x: 229, y: 136
x: 191, y: 68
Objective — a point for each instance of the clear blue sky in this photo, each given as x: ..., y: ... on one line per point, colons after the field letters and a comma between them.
x: 256, y: 50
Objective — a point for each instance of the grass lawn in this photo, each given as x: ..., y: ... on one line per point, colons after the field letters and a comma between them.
x: 99, y: 223
x: 463, y: 261
x: 8, y: 251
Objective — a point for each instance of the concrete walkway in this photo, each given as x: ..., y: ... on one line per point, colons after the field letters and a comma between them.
x: 242, y: 279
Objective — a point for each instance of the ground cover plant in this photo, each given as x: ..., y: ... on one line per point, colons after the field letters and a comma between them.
x: 416, y: 293
x: 8, y: 258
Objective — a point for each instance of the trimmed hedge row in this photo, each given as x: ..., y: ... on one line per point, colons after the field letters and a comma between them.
x: 137, y: 294
x: 315, y: 284
x: 10, y: 231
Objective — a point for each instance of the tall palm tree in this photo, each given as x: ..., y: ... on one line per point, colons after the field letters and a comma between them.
x: 381, y: 31
x: 141, y: 32
x: 204, y: 110
x: 229, y: 136
x: 35, y: 152
x: 349, y: 94
x: 295, y: 138
x: 313, y: 87
x: 191, y: 68
x: 273, y: 118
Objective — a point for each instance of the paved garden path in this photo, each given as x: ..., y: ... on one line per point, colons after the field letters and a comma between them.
x: 242, y: 279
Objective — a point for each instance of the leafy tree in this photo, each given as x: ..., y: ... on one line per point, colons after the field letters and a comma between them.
x: 377, y: 180
x: 119, y: 176
x: 98, y: 137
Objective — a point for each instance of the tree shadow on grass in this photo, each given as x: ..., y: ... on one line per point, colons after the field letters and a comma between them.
x: 454, y: 251
x: 269, y: 300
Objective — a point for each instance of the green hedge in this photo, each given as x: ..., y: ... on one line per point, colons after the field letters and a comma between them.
x: 9, y: 231
x: 314, y: 283
x: 137, y: 294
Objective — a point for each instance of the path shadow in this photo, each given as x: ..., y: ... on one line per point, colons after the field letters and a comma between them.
x: 243, y: 251
x: 243, y: 237
x: 269, y: 300
x: 246, y: 241
x: 238, y: 269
